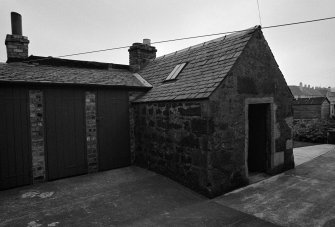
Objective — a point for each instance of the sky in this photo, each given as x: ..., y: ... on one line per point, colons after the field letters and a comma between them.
x: 305, y: 53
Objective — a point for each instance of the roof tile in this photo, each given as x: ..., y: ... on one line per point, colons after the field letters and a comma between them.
x: 18, y: 72
x: 208, y: 64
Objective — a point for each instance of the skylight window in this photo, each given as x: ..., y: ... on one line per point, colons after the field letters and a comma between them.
x: 175, y: 72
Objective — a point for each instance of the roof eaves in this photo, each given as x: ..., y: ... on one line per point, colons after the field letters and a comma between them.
x: 56, y: 83
x: 169, y: 99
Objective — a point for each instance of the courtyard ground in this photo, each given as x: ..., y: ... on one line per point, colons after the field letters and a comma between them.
x: 133, y: 196
x: 129, y: 196
x: 303, y: 196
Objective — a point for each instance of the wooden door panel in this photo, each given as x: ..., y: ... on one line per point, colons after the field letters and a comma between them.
x: 113, y: 129
x: 65, y: 132
x: 15, y: 151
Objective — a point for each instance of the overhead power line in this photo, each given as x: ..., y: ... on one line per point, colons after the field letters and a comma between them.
x: 259, y: 13
x: 186, y: 38
x: 300, y: 22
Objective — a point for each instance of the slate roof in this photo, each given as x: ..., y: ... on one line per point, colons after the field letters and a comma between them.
x: 323, y: 92
x: 306, y: 91
x: 296, y: 90
x: 310, y: 101
x: 20, y: 72
x: 207, y: 65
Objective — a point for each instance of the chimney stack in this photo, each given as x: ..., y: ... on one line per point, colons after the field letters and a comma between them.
x: 17, y: 45
x: 140, y: 55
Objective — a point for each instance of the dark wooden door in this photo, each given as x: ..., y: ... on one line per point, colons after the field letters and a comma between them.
x: 258, y: 137
x: 15, y: 151
x: 65, y: 132
x: 113, y: 129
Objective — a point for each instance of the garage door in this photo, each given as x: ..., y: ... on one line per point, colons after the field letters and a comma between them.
x: 15, y: 152
x: 113, y: 129
x: 65, y: 132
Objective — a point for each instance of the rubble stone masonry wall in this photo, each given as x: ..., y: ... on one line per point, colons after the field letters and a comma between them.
x: 255, y: 76
x: 37, y: 135
x: 91, y: 131
x: 172, y: 139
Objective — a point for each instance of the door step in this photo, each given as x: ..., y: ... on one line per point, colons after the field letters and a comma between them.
x: 256, y: 177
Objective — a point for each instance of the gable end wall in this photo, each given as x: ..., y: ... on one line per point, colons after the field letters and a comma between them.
x: 255, y: 76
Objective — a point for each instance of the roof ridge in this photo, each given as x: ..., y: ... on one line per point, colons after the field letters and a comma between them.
x: 221, y: 38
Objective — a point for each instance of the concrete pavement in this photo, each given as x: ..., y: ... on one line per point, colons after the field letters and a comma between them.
x: 305, y: 154
x: 124, y: 197
x: 303, y: 196
x: 133, y: 196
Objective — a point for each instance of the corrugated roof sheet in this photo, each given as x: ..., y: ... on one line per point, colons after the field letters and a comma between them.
x: 310, y: 101
x: 208, y: 64
x: 20, y: 72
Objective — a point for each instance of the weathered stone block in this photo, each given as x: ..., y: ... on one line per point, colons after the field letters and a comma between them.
x: 194, y: 110
x: 37, y: 135
x: 91, y: 128
x: 199, y: 126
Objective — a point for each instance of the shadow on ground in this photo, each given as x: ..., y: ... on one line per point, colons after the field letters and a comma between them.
x: 124, y: 197
x: 133, y: 196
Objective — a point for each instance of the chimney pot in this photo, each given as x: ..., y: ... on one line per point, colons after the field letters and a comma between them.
x: 147, y: 42
x: 16, y: 21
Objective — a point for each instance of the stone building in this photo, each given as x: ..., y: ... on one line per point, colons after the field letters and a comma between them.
x: 209, y: 116
x: 217, y: 113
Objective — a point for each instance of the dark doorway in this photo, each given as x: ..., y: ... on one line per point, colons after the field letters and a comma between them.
x: 65, y: 132
x: 113, y: 129
x: 15, y: 152
x: 259, y: 137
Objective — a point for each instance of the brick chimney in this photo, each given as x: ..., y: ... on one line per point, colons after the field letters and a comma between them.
x: 140, y: 54
x: 17, y: 45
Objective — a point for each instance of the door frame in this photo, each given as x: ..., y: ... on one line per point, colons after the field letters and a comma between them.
x: 264, y: 100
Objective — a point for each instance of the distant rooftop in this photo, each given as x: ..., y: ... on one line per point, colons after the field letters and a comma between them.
x: 310, y: 101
